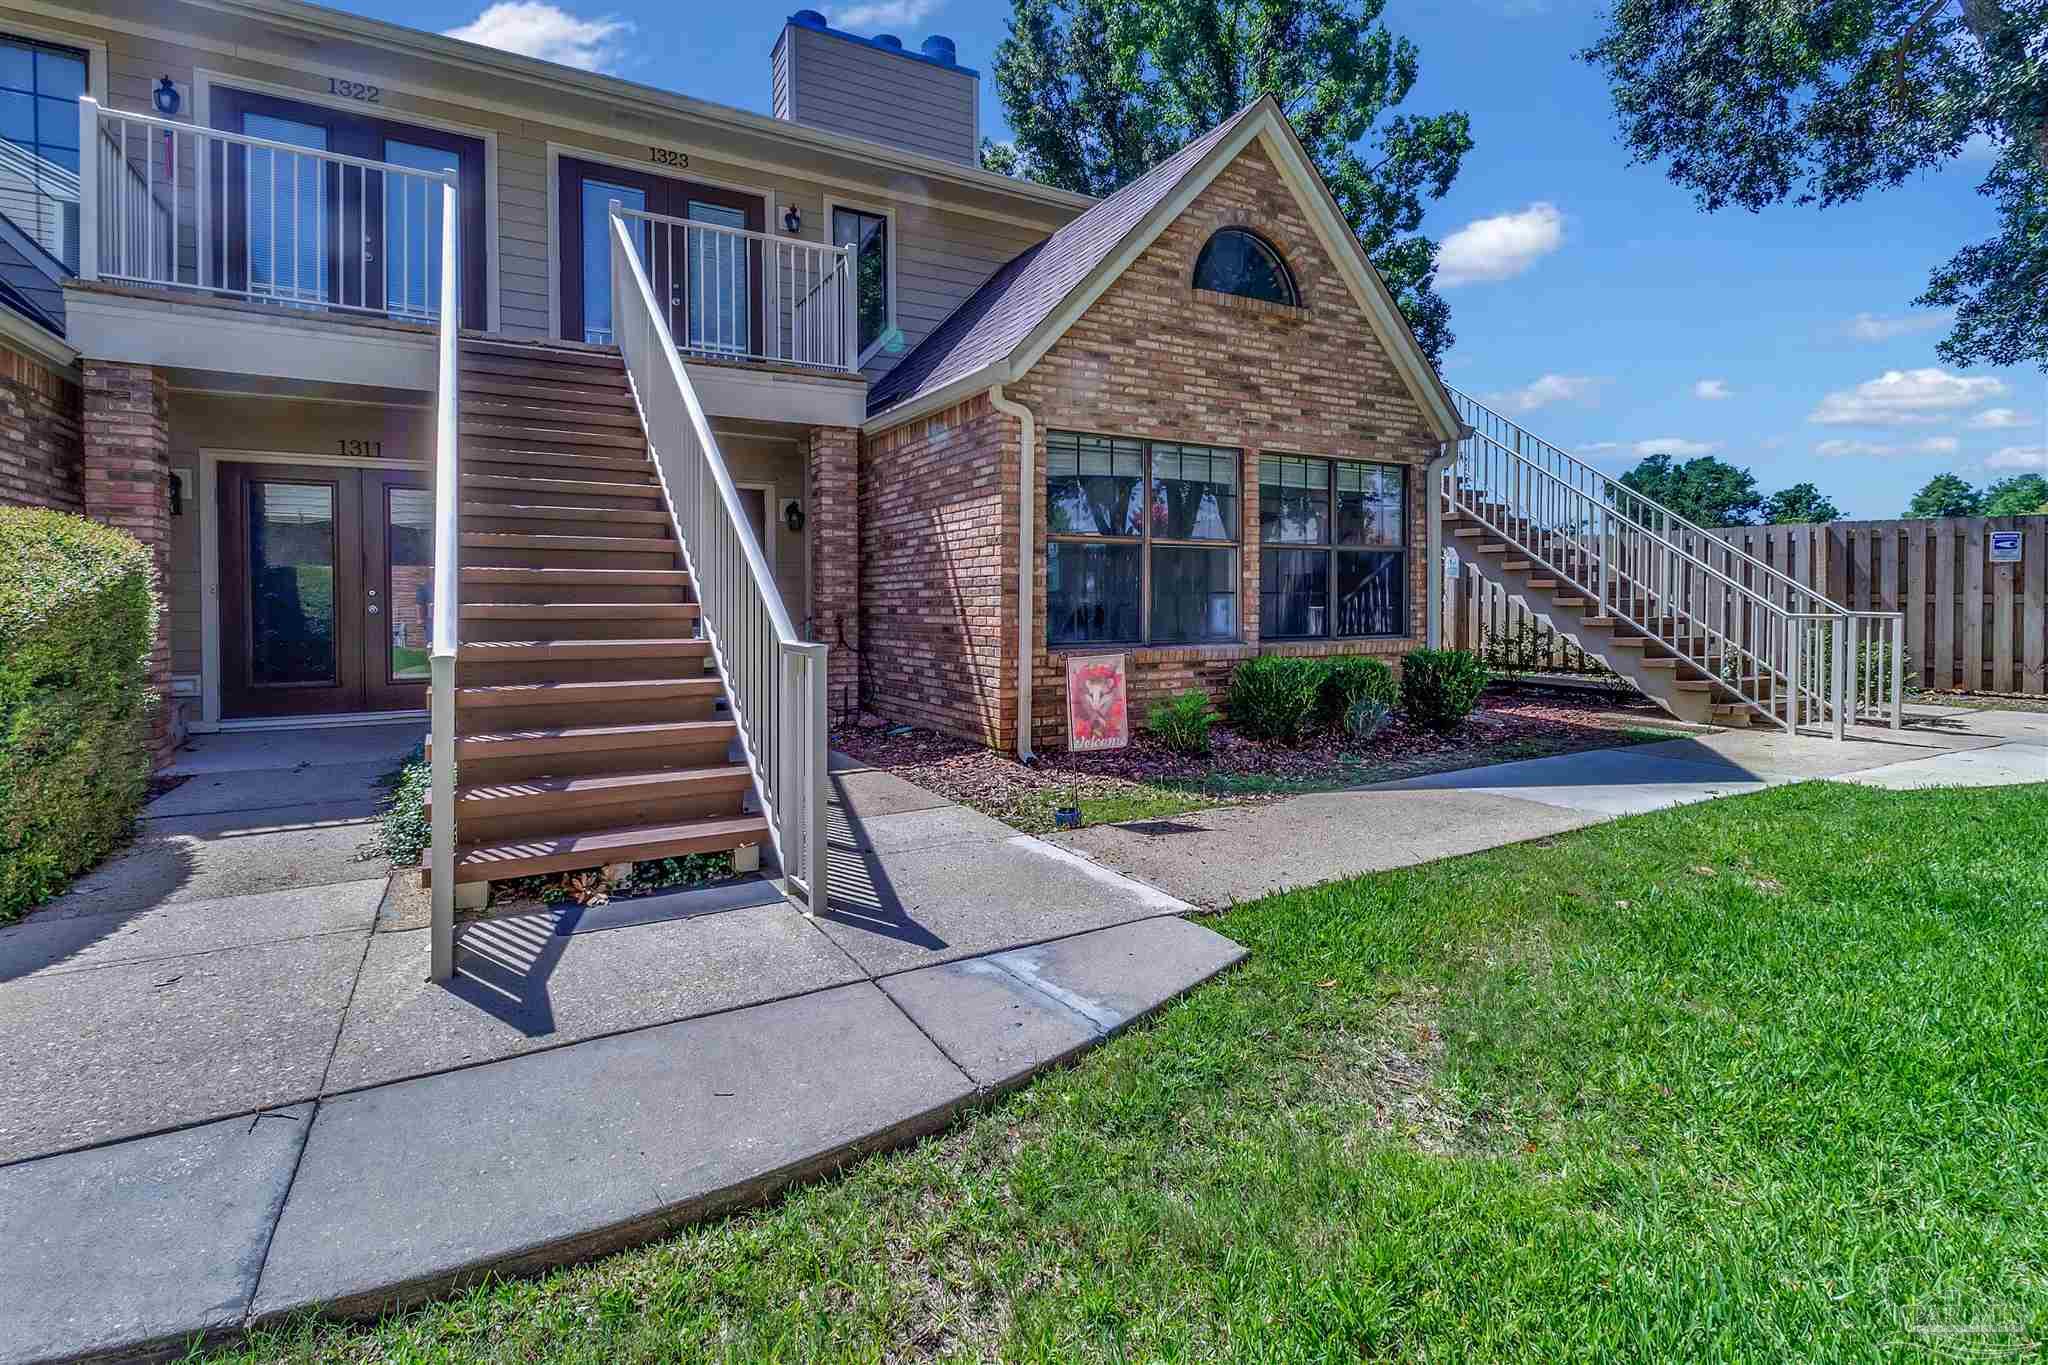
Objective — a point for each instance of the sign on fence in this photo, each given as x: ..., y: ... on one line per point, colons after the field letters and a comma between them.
x: 2005, y: 547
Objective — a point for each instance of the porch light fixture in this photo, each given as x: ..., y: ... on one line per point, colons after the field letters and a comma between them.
x: 168, y: 100
x: 792, y: 219
x: 793, y: 516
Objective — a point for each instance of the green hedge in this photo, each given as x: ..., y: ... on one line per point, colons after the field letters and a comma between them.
x: 78, y: 614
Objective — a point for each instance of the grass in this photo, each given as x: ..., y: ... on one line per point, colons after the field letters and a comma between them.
x: 1760, y: 1079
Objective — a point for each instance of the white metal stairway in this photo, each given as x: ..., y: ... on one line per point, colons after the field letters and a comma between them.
x: 1708, y: 631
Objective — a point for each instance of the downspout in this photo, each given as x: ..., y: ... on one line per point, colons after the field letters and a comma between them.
x: 1027, y: 475
x: 1432, y: 483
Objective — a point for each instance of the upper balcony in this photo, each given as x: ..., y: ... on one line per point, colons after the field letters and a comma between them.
x: 265, y: 253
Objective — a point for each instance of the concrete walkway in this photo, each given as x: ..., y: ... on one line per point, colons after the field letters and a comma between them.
x: 1226, y: 856
x: 232, y: 1094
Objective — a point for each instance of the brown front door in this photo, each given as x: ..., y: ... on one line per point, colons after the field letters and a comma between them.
x: 324, y: 571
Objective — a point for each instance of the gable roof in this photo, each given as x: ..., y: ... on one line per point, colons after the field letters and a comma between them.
x: 1008, y: 323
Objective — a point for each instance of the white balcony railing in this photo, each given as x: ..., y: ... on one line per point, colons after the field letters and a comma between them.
x: 731, y: 294
x: 174, y: 206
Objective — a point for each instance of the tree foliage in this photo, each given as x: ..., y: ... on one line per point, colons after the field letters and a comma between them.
x: 2017, y: 496
x: 1946, y: 495
x: 1704, y: 490
x: 1099, y: 91
x: 1754, y: 102
x: 1800, y: 505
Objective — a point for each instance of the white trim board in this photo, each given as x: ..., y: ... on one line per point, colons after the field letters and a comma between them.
x: 833, y: 201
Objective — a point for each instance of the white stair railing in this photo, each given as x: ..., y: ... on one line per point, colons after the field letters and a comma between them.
x: 1765, y: 638
x: 734, y: 294
x: 774, y: 679
x: 447, y: 591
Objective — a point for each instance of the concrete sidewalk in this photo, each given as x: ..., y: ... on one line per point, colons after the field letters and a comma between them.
x: 1230, y: 855
x: 242, y: 1096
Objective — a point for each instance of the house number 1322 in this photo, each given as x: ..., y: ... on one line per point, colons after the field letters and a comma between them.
x: 355, y: 90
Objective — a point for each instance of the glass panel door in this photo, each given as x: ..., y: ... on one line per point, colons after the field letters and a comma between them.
x: 290, y: 257
x: 292, y: 558
x: 596, y: 273
x: 398, y: 615
x: 716, y: 280
x: 412, y: 229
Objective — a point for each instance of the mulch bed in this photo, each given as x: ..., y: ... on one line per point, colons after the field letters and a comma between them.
x: 1522, y: 723
x: 159, y: 785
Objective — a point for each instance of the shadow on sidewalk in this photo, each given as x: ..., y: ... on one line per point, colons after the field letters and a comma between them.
x: 859, y: 894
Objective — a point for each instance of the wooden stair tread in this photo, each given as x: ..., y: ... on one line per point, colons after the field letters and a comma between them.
x: 525, y: 651
x: 596, y: 395
x: 569, y: 852
x: 580, y: 739
x: 480, y: 408
x: 514, y: 511
x: 535, y: 458
x: 522, y: 540
x: 490, y: 573
x: 547, y: 437
x: 491, y: 696
x: 519, y: 483
x: 548, y: 793
x: 586, y: 356
x: 578, y: 611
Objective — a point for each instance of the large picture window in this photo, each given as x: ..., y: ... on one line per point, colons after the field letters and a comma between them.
x: 1141, y: 541
x: 1333, y: 557
x: 39, y: 89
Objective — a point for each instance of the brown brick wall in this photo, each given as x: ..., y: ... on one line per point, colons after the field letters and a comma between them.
x: 832, y: 469
x: 1154, y: 357
x: 127, y: 440
x: 938, y: 577
x: 39, y: 443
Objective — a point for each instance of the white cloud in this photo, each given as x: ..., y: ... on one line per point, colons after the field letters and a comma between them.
x: 1712, y: 390
x: 2018, y: 457
x: 1877, y: 327
x: 1547, y: 389
x: 1933, y: 445
x: 535, y: 28
x: 884, y: 14
x: 1501, y: 247
x: 1998, y: 419
x: 1904, y: 397
x: 1677, y: 447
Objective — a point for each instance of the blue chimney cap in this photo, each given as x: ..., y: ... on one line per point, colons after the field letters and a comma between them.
x: 807, y: 18
x: 888, y: 40
x: 939, y: 48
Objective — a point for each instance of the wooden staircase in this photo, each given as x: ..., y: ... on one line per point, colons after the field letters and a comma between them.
x: 1661, y: 656
x: 590, y: 727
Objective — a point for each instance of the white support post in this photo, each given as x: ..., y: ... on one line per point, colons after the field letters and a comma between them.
x: 849, y: 327
x: 1838, y: 634
x: 88, y: 188
x: 1897, y: 631
x: 447, y: 592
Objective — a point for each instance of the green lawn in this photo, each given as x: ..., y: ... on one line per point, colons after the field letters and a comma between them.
x: 1762, y: 1079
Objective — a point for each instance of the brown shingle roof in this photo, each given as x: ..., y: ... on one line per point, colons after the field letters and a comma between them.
x: 1026, y: 291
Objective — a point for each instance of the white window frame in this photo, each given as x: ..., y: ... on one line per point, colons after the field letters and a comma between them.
x: 889, y: 323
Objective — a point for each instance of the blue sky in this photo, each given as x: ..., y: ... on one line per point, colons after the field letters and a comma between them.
x: 1591, y: 300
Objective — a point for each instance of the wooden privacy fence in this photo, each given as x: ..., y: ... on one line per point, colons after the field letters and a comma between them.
x: 1970, y: 623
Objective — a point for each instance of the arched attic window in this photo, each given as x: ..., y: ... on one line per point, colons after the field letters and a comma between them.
x: 1239, y: 261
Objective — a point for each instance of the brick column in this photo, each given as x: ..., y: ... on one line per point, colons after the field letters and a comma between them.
x: 127, y: 440
x: 832, y: 469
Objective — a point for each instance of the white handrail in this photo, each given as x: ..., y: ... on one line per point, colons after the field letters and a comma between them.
x: 774, y: 680
x: 447, y: 587
x: 734, y: 293
x: 1647, y: 565
x: 173, y: 205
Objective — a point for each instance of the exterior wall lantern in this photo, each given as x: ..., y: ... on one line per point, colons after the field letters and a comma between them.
x: 792, y: 219
x: 168, y: 100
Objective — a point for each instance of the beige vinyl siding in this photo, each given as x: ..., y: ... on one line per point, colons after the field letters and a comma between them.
x: 778, y: 77
x: 852, y: 88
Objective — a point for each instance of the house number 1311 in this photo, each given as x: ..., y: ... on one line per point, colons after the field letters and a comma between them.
x: 361, y: 450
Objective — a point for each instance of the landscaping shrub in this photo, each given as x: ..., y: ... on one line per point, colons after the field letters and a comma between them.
x: 1351, y: 678
x: 1365, y: 718
x: 1275, y: 697
x: 78, y: 614
x: 1439, y: 687
x: 1182, y: 721
x: 404, y: 829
